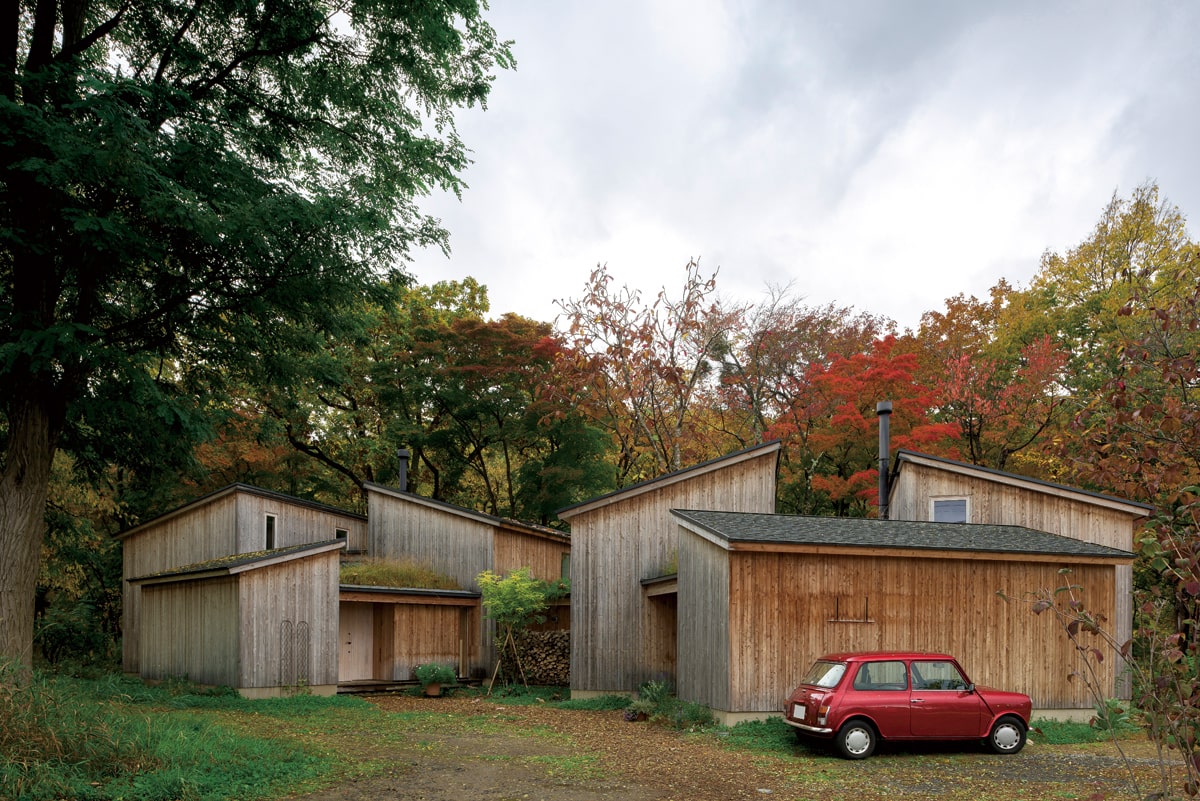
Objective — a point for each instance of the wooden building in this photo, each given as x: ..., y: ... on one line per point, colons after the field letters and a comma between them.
x: 264, y: 623
x: 385, y: 632
x: 193, y: 606
x: 733, y: 602
x: 762, y: 596
x: 623, y: 611
x: 457, y: 542
x: 237, y: 519
x: 927, y: 487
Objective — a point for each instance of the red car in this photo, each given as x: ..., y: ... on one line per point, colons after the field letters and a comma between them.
x: 857, y: 699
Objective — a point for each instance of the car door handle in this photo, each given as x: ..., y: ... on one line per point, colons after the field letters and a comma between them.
x: 916, y: 700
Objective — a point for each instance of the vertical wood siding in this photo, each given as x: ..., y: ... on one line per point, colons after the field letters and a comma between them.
x: 197, y: 535
x: 433, y: 634
x: 1000, y: 504
x: 294, y: 592
x: 542, y: 556
x: 228, y: 525
x: 615, y: 546
x: 705, y: 623
x: 191, y: 631
x: 294, y: 524
x: 456, y: 546
x: 783, y: 617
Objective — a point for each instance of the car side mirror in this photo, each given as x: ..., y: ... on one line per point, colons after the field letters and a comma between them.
x: 970, y: 688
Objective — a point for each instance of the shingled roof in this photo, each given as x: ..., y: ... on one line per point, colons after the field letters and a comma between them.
x: 730, y: 528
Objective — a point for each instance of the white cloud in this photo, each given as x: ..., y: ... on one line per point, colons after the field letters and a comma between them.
x: 881, y: 155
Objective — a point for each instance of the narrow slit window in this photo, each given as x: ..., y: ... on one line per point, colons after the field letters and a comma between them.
x: 269, y: 527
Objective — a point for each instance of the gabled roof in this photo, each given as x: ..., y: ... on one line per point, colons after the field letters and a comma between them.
x: 469, y: 514
x: 231, y: 489
x: 239, y: 563
x: 729, y: 530
x: 686, y: 473
x: 1133, y: 508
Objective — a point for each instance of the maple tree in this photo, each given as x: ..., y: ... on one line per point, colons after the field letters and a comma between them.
x: 837, y: 472
x: 766, y: 357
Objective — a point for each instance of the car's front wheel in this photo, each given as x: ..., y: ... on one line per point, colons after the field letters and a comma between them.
x: 856, y: 739
x: 1007, y: 736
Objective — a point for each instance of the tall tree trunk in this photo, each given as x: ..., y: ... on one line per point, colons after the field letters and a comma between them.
x: 34, y: 427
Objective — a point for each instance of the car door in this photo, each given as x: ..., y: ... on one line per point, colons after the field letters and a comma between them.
x: 940, y: 702
x: 880, y: 690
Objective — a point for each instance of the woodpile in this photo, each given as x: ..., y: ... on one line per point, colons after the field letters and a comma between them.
x: 545, y: 656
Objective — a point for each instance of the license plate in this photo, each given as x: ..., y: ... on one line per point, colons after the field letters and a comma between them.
x: 798, y: 711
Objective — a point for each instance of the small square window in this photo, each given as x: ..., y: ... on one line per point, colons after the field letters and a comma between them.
x: 341, y: 533
x: 950, y: 510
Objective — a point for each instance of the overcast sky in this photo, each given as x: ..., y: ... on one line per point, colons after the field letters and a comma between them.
x: 881, y: 155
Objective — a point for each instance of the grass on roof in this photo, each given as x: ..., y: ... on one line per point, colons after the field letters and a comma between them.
x: 406, y: 573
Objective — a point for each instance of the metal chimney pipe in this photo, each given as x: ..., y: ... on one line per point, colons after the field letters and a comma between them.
x: 402, y: 478
x: 883, y: 410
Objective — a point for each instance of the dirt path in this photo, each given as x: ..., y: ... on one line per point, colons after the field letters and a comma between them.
x: 460, y: 749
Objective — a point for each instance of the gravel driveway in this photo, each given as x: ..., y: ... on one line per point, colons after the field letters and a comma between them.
x: 473, y: 748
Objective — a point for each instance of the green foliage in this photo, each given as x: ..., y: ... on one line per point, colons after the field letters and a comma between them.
x: 395, y: 573
x: 771, y: 736
x: 657, y: 699
x: 601, y: 703
x: 514, y: 602
x: 115, y: 738
x: 434, y: 673
x: 1068, y: 732
x: 190, y: 198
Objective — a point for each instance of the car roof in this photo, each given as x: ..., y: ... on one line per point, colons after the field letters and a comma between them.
x: 877, y: 656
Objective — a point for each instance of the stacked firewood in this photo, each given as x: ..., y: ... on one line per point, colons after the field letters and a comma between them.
x: 545, y: 656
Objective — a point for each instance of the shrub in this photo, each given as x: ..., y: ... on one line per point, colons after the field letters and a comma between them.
x: 433, y: 673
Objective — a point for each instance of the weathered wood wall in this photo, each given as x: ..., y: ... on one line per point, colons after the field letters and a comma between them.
x: 783, y: 617
x: 543, y: 555
x: 295, y: 524
x: 704, y: 624
x: 196, y: 535
x: 457, y: 546
x: 1001, y: 504
x: 1054, y: 511
x: 443, y: 634
x: 190, y: 631
x: 278, y: 603
x: 384, y: 636
x: 630, y: 537
x: 231, y: 522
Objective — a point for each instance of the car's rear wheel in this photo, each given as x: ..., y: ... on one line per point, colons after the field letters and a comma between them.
x: 856, y: 739
x: 1007, y: 736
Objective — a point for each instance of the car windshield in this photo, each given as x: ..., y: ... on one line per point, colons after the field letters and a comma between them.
x: 824, y: 674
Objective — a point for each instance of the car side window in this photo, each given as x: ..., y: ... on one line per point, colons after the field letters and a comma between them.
x: 881, y: 676
x: 937, y: 676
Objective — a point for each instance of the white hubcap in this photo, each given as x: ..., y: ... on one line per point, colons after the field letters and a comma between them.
x: 858, y: 740
x: 1006, y: 737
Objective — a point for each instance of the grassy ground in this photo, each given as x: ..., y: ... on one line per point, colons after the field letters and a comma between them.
x: 115, y: 738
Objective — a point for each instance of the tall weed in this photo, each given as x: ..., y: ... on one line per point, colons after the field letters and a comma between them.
x: 115, y: 738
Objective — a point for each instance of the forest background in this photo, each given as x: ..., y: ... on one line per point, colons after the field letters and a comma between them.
x: 1088, y: 377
